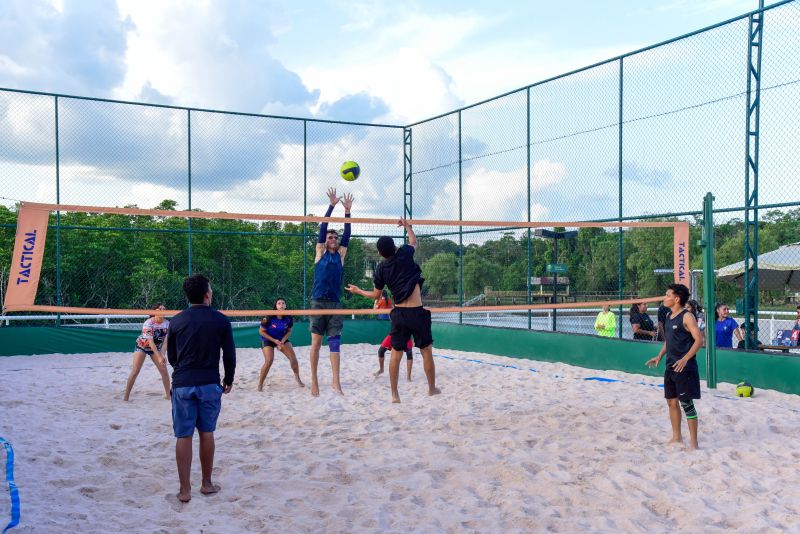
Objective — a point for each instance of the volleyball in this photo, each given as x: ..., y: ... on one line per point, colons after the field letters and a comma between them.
x: 744, y: 389
x: 350, y: 170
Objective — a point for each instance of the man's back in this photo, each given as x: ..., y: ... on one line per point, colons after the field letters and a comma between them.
x: 196, y: 336
x: 400, y: 273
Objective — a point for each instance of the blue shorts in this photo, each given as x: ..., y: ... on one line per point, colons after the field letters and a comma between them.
x: 195, y: 406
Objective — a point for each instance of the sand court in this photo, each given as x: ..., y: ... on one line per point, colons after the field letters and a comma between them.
x: 504, y: 448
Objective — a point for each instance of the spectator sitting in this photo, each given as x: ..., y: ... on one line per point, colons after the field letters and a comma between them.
x: 754, y: 342
x: 661, y: 316
x: 725, y: 327
x: 642, y: 324
x: 606, y: 322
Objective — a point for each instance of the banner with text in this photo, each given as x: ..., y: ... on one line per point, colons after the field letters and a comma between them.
x: 26, y: 264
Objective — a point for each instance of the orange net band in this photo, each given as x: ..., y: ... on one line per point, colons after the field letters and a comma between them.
x: 340, y: 311
x: 354, y: 220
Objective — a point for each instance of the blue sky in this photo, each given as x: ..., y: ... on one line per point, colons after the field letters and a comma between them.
x: 405, y: 60
x: 380, y: 62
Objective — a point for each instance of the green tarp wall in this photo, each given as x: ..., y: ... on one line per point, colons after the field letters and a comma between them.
x: 764, y: 370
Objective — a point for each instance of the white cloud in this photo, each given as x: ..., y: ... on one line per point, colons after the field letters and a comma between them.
x: 495, y: 195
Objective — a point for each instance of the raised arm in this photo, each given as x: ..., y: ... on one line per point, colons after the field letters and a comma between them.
x: 323, y: 227
x: 347, y: 202
x: 412, y: 237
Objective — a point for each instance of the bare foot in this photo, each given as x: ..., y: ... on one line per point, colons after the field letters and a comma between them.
x: 675, y: 441
x: 299, y: 382
x: 408, y: 378
x: 337, y: 389
x: 694, y: 446
x: 184, y: 496
x: 126, y: 399
x: 209, y: 488
x: 261, y: 387
x: 395, y: 399
x: 168, y: 397
x: 434, y: 391
x: 314, y: 389
x: 378, y: 373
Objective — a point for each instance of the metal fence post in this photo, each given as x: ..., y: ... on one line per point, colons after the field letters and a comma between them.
x: 530, y: 259
x: 58, y: 218
x: 620, y: 288
x: 189, y: 170
x: 305, y: 212
x: 708, y: 288
x: 460, y: 228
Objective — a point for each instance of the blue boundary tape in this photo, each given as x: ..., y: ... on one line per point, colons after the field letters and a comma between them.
x: 12, y: 486
x: 595, y: 378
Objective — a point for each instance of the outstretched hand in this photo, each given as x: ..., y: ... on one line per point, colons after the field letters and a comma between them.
x: 352, y: 289
x: 332, y: 196
x: 347, y: 201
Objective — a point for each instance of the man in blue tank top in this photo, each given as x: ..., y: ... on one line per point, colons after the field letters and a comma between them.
x: 682, y: 339
x: 327, y: 288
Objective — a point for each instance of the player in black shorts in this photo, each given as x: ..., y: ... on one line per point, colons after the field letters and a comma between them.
x: 404, y: 278
x: 681, y: 377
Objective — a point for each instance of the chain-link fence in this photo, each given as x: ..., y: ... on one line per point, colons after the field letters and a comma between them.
x: 639, y: 137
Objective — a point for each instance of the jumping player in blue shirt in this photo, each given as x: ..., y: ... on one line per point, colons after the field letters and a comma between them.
x: 327, y: 288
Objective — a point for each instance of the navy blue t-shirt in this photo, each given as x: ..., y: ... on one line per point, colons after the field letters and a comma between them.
x: 400, y: 273
x: 196, y: 336
x: 724, y: 332
x: 276, y: 327
x: 328, y: 277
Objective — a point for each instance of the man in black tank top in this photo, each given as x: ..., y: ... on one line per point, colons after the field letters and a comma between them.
x: 681, y: 376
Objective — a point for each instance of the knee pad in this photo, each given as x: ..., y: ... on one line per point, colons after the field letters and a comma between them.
x: 382, y: 352
x: 334, y: 342
x: 689, y: 409
x: 409, y: 354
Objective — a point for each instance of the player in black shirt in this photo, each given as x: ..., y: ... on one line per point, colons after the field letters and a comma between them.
x: 403, y: 276
x: 196, y: 336
x: 681, y: 376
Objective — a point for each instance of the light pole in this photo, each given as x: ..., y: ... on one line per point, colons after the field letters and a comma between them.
x: 555, y: 267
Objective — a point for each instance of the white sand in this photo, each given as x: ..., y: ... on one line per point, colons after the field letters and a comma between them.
x: 501, y: 450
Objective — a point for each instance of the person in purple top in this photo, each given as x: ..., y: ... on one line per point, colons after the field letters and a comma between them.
x: 275, y: 331
x: 196, y: 336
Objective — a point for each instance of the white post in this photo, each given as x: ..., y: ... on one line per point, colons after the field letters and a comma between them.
x: 106, y: 322
x: 771, y: 327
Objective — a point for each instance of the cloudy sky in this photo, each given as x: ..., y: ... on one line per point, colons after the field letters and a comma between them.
x: 364, y: 61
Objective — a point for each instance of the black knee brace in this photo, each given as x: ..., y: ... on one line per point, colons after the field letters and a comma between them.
x: 689, y: 409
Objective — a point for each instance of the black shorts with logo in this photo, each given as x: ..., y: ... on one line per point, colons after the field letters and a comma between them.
x: 408, y: 322
x: 684, y: 385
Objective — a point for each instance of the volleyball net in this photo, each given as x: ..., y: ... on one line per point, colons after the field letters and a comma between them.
x: 118, y: 261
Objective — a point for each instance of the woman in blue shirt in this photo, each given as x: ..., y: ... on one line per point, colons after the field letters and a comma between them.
x: 274, y: 331
x: 725, y: 326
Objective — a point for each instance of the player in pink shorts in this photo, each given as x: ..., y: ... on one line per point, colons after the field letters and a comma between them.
x: 386, y: 344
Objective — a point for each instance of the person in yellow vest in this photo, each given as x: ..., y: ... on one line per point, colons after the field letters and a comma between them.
x: 606, y: 322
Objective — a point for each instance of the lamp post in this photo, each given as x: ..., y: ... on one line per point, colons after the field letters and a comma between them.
x: 554, y: 268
